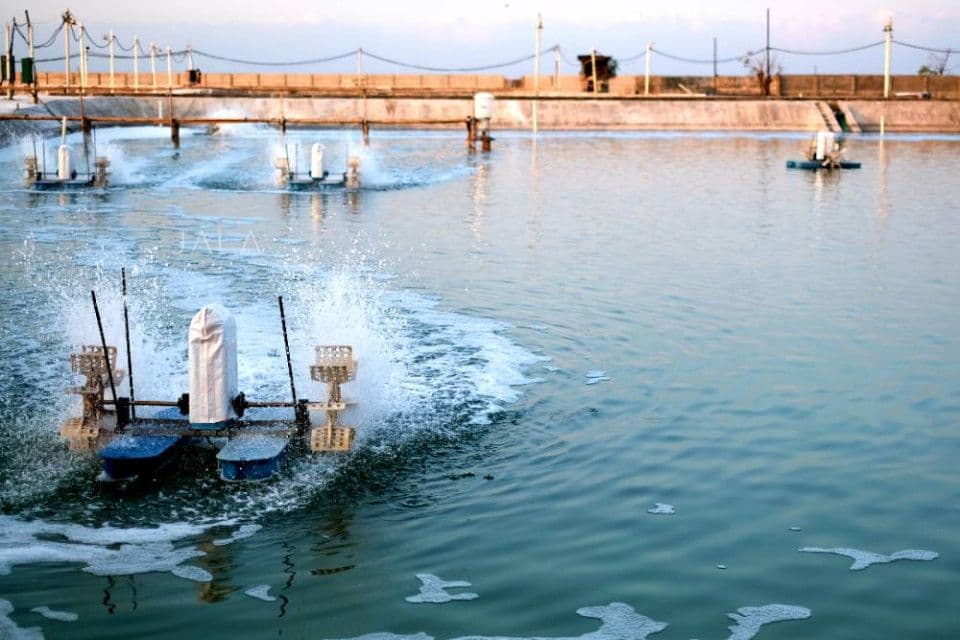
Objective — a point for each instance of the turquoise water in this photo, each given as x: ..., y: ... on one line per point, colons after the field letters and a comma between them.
x: 779, y: 353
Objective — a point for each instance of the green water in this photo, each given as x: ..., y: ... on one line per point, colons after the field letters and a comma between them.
x: 782, y: 353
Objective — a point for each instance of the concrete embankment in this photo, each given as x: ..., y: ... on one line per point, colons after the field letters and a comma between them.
x: 516, y: 113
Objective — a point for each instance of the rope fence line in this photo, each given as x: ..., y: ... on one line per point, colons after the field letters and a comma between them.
x: 79, y: 35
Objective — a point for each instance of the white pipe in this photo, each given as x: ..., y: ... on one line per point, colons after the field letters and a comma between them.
x: 888, y: 37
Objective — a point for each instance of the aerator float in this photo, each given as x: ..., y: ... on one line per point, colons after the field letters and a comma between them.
x: 65, y: 177
x: 824, y: 153
x: 134, y: 437
x: 316, y: 178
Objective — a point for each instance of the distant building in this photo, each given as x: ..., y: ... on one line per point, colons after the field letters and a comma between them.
x: 606, y: 69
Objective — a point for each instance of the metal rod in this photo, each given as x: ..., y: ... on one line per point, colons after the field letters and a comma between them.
x: 103, y: 343
x: 126, y: 331
x: 286, y: 346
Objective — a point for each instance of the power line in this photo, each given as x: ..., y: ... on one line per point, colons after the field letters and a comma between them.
x: 705, y: 60
x: 450, y: 69
x: 923, y: 48
x: 835, y: 52
x: 260, y: 63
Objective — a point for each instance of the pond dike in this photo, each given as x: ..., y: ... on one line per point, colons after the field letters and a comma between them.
x: 510, y: 113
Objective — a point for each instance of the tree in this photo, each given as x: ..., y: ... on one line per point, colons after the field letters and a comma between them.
x: 756, y: 63
x: 936, y: 64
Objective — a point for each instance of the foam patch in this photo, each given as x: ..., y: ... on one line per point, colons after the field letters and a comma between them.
x: 245, y: 531
x: 260, y: 592
x: 9, y: 629
x: 189, y: 572
x: 750, y: 619
x: 863, y: 559
x: 662, y: 508
x: 619, y: 621
x: 105, y: 551
x: 52, y: 614
x: 434, y: 590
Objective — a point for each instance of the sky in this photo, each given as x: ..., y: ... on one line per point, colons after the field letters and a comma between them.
x: 461, y: 34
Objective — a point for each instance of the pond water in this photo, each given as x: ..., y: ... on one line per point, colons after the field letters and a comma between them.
x: 611, y: 386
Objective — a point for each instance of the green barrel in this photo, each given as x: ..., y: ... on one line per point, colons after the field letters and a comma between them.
x: 26, y: 71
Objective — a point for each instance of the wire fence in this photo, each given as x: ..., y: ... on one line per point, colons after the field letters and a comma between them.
x: 134, y: 50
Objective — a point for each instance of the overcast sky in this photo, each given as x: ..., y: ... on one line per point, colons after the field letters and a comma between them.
x: 459, y: 34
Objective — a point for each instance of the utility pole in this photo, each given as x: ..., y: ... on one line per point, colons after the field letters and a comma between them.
x: 67, y: 34
x: 8, y: 34
x: 33, y: 65
x: 556, y: 68
x: 646, y: 69
x: 169, y: 68
x: 536, y: 72
x: 153, y: 63
x: 714, y: 57
x: 593, y: 68
x: 83, y: 60
x: 767, y: 62
x: 136, y: 63
x: 888, y: 40
x: 113, y: 84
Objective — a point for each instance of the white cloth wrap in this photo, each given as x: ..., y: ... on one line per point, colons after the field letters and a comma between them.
x: 213, y: 365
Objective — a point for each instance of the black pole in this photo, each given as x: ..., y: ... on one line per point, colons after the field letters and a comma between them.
x: 103, y: 343
x: 286, y: 346
x: 126, y: 330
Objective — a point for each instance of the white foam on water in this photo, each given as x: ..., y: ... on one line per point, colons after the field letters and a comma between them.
x: 106, y: 551
x: 190, y: 572
x: 863, y: 559
x: 434, y: 590
x: 260, y: 592
x: 662, y: 508
x: 619, y: 622
x: 596, y: 373
x: 9, y: 629
x: 245, y: 531
x: 53, y: 614
x: 750, y: 619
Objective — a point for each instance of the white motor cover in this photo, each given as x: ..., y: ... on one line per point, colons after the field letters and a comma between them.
x: 213, y: 365
x: 64, y: 163
x: 825, y: 141
x: 316, y: 160
x: 483, y: 106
